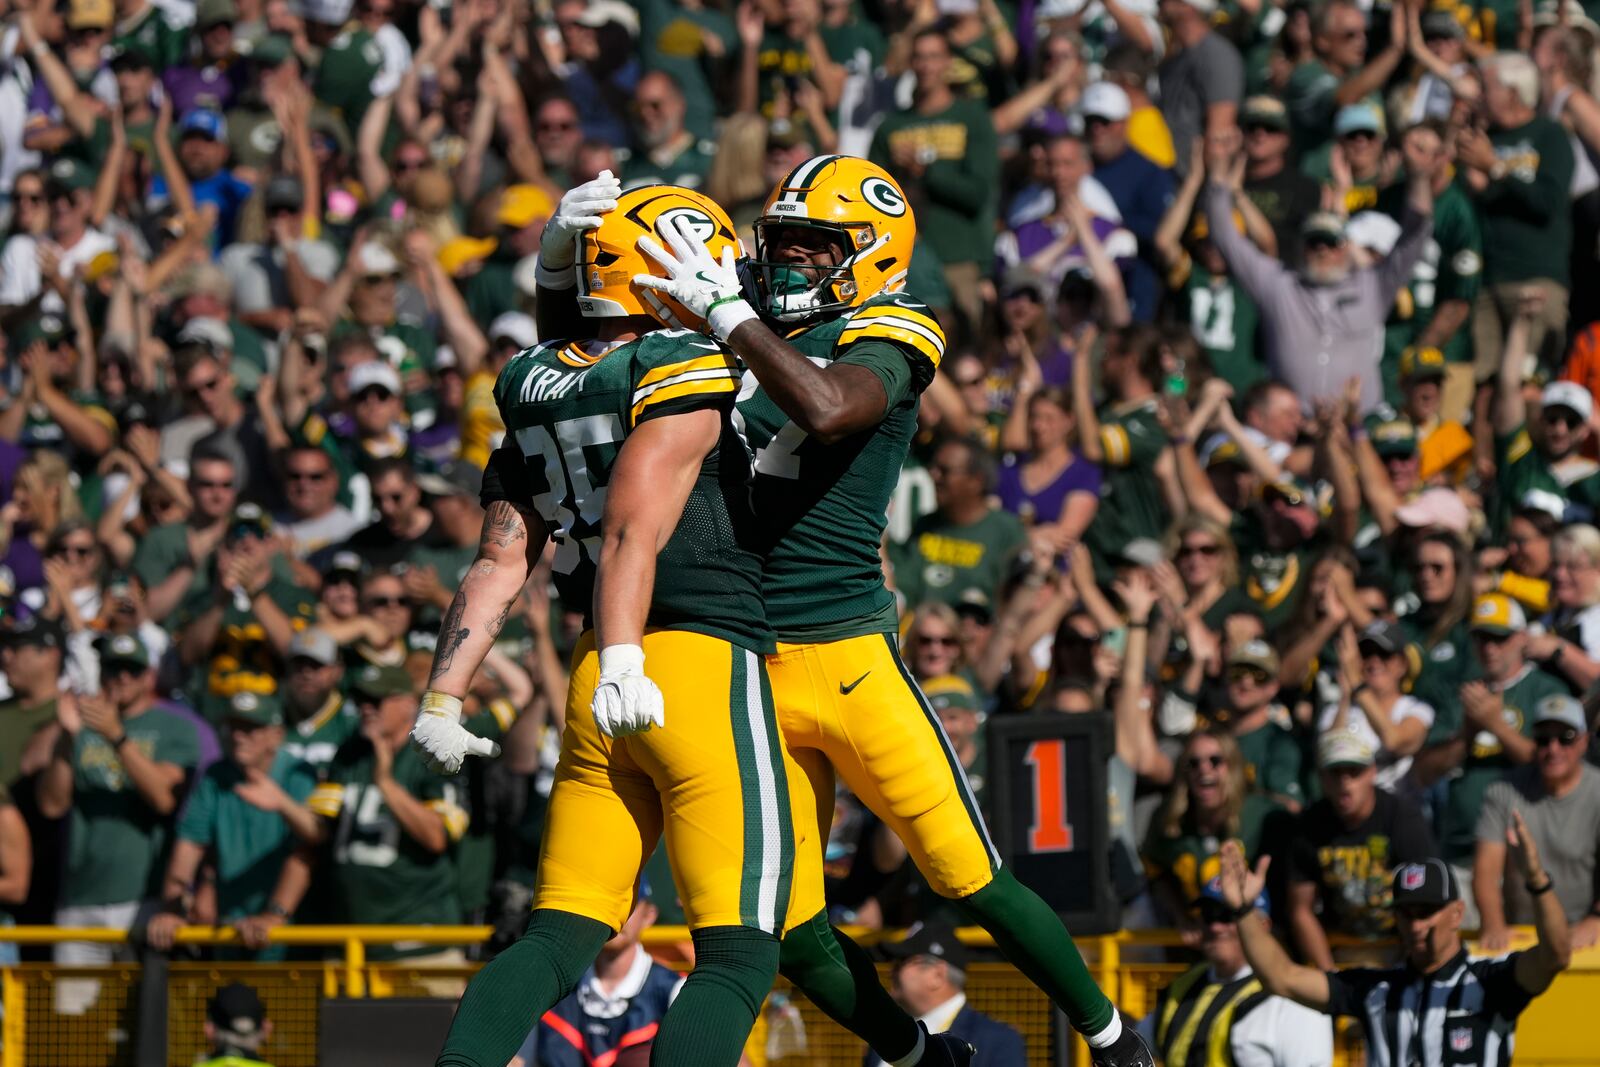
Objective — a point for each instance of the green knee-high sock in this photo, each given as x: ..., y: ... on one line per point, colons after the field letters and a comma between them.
x: 839, y: 978
x: 1032, y: 938
x: 710, y: 1021
x: 519, y: 985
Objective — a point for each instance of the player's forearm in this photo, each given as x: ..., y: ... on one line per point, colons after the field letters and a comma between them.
x: 826, y: 404
x: 1279, y: 974
x: 473, y: 622
x: 623, y: 586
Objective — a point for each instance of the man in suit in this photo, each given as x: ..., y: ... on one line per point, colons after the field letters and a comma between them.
x: 930, y: 980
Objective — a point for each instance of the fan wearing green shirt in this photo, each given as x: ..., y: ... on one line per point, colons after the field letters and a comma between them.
x: 118, y: 773
x: 1547, y: 456
x: 1497, y: 729
x: 244, y: 814
x: 385, y: 822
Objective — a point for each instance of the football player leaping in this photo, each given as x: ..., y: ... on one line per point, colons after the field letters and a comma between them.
x: 829, y: 410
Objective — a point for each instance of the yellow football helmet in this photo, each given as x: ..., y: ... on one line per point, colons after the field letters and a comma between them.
x: 862, y: 209
x: 609, y: 256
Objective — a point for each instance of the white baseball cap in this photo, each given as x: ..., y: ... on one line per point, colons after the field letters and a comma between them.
x: 1374, y: 231
x: 374, y: 372
x: 377, y: 261
x: 1105, y: 101
x: 1569, y: 395
x: 514, y: 326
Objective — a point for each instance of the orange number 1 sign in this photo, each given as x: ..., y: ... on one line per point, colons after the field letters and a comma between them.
x: 1050, y: 832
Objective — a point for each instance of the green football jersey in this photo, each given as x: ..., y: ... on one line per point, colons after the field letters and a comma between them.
x: 379, y: 873
x: 823, y: 507
x: 567, y: 408
x: 1131, y: 505
x: 1486, y: 761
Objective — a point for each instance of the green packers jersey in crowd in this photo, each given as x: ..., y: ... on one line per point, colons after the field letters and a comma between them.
x: 1131, y: 506
x: 378, y: 872
x: 822, y: 507
x: 1486, y: 761
x: 567, y: 408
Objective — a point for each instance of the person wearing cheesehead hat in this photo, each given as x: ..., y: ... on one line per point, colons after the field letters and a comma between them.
x: 1497, y: 726
x: 245, y: 815
x: 118, y: 776
x: 1216, y: 1013
x: 236, y: 1028
x: 392, y: 821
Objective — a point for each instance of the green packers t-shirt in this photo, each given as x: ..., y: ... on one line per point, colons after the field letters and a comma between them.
x: 955, y: 197
x: 942, y: 561
x: 1272, y: 761
x: 248, y: 846
x: 117, y: 843
x: 1130, y: 496
x: 1527, y: 226
x: 1191, y: 859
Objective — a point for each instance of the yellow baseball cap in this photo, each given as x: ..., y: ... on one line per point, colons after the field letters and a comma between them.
x: 520, y: 205
x: 1496, y: 613
x: 1421, y: 362
x: 457, y: 252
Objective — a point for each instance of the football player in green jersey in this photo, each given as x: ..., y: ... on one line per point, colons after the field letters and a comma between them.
x: 839, y: 355
x: 567, y: 406
x: 622, y: 450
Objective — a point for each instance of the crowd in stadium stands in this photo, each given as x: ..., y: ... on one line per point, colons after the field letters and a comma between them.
x: 1268, y: 426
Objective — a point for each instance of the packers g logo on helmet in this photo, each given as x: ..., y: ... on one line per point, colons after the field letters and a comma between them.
x: 884, y: 196
x: 609, y: 256
x: 863, y: 212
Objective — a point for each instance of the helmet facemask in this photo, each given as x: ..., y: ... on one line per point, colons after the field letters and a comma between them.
x: 794, y: 292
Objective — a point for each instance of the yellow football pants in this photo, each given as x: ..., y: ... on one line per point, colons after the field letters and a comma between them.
x: 851, y: 706
x: 716, y: 779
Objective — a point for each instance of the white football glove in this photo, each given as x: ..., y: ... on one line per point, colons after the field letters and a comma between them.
x: 626, y: 701
x: 438, y: 734
x: 708, y: 289
x: 580, y: 209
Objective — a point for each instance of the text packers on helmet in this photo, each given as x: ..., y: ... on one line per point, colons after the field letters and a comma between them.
x: 609, y: 256
x: 858, y: 203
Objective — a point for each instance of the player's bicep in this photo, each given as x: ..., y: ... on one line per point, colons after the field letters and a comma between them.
x: 654, y: 473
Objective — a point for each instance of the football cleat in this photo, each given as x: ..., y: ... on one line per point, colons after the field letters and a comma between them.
x: 945, y: 1050
x: 1128, y: 1050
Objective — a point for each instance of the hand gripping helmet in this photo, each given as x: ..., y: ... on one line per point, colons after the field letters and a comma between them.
x: 609, y: 256
x: 863, y: 209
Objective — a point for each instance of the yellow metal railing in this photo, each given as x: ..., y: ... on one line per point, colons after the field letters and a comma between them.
x: 1131, y: 966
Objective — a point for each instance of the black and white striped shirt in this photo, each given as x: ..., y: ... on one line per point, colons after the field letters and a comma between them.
x: 1465, y: 1013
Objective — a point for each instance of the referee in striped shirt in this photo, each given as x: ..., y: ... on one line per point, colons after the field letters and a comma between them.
x: 1439, y: 1007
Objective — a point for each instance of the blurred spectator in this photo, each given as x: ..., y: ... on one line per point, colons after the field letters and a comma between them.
x: 1284, y: 195
x: 942, y: 151
x: 236, y: 1027
x: 1497, y: 733
x: 618, y: 1004
x: 317, y: 716
x: 1558, y: 796
x: 1570, y: 646
x: 1208, y: 803
x: 237, y: 821
x: 1140, y: 189
x: 966, y: 542
x: 314, y: 518
x: 119, y: 770
x: 1373, y: 706
x: 1049, y: 486
x: 1257, y: 723
x: 1318, y: 325
x: 389, y: 821
x: 1345, y: 846
x: 1202, y: 77
x: 1125, y: 437
x: 668, y: 154
x: 1519, y: 169
x: 930, y: 981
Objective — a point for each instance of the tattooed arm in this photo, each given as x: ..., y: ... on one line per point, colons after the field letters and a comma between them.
x: 511, y: 544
